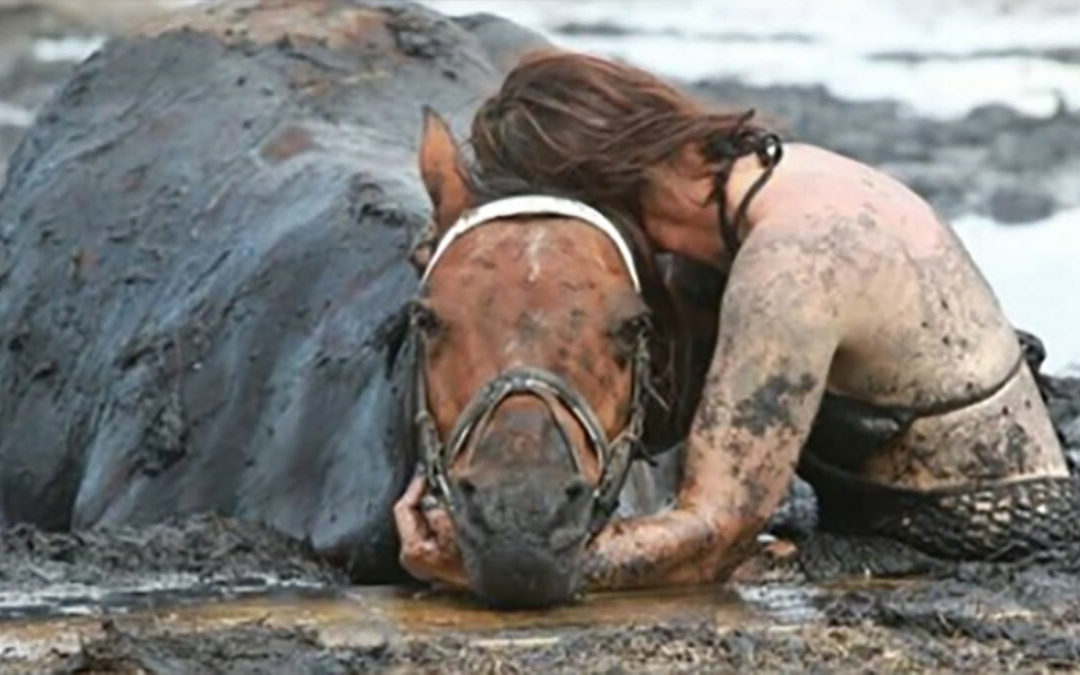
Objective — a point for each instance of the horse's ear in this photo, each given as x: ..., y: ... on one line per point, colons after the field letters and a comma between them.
x: 442, y: 172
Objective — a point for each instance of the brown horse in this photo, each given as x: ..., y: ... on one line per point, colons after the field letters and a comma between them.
x: 535, y: 361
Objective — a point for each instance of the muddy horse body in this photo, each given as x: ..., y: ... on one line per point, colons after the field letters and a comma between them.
x: 203, y: 270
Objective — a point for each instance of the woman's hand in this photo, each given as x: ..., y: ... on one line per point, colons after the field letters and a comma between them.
x: 429, y: 549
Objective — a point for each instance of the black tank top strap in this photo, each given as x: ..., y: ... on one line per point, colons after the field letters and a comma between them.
x: 769, y: 151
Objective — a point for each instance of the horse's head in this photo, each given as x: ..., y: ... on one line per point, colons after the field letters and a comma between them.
x: 531, y: 336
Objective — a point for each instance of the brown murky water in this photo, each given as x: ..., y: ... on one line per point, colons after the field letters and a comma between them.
x: 362, y: 616
x: 1019, y: 620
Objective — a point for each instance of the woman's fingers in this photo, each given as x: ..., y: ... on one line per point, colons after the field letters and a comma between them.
x: 428, y: 540
x: 408, y: 518
x: 441, y: 525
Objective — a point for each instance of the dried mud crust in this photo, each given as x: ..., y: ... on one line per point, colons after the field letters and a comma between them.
x: 209, y: 548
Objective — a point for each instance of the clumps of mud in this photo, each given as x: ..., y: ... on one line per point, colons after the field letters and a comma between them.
x: 1029, y: 613
x: 251, y: 648
x: 204, y: 549
x: 958, y: 616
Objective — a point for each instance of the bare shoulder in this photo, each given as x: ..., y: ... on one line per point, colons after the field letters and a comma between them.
x: 802, y: 261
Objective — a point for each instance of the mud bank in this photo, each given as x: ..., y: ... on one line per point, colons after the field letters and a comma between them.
x: 51, y: 573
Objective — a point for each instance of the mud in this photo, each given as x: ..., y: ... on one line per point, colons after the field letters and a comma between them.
x: 59, y: 572
x: 267, y: 605
x: 985, y: 617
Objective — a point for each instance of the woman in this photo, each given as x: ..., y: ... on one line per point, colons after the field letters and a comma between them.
x: 858, y: 342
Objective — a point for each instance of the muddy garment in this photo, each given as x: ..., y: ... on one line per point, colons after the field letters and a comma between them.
x: 989, y: 521
x: 203, y: 270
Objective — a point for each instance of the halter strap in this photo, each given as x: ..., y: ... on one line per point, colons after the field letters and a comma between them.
x: 524, y: 205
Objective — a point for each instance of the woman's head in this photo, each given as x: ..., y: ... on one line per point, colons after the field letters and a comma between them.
x: 593, y: 129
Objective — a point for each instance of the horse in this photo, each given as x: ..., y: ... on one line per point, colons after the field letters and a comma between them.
x: 207, y: 302
x: 539, y: 376
x: 204, y: 274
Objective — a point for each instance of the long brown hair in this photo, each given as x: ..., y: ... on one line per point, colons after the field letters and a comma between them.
x: 589, y: 128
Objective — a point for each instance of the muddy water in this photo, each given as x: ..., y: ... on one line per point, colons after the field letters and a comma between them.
x: 1022, y: 618
x: 358, y: 617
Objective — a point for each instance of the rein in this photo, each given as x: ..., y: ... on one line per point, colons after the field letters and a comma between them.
x: 615, y: 455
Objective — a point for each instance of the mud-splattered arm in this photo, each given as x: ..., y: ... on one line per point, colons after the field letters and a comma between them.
x: 779, y: 329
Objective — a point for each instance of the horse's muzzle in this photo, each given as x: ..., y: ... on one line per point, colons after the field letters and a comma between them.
x: 513, y: 574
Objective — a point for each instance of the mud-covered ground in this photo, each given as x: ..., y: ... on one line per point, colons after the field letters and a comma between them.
x: 989, y: 617
x: 206, y: 550
x: 1024, y: 618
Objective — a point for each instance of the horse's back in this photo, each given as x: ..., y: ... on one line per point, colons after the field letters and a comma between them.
x: 204, y: 268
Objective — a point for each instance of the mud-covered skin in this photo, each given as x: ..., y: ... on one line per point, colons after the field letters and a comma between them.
x: 941, y: 338
x: 1006, y: 437
x: 203, y: 272
x: 995, y: 520
x: 755, y: 398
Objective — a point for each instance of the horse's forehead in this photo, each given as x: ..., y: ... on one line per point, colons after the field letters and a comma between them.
x: 535, y: 247
x: 506, y: 271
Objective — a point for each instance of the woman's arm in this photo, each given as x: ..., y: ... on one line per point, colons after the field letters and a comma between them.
x: 778, y: 331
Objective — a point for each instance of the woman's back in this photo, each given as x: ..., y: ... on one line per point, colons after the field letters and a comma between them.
x: 923, y: 327
x: 924, y: 341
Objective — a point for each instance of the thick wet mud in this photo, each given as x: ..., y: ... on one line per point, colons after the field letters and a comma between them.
x: 61, y: 573
x: 245, y: 599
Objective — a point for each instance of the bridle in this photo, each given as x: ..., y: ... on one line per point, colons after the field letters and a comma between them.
x: 615, y: 455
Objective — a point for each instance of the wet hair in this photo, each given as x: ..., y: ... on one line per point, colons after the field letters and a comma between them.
x: 589, y: 128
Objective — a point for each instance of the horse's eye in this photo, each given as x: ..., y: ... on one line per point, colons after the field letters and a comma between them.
x: 425, y: 319
x: 635, y: 327
x: 627, y: 334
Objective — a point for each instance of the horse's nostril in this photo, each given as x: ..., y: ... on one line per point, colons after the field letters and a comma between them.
x: 576, y: 490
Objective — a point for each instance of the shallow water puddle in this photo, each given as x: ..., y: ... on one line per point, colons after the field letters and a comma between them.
x: 372, y: 616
